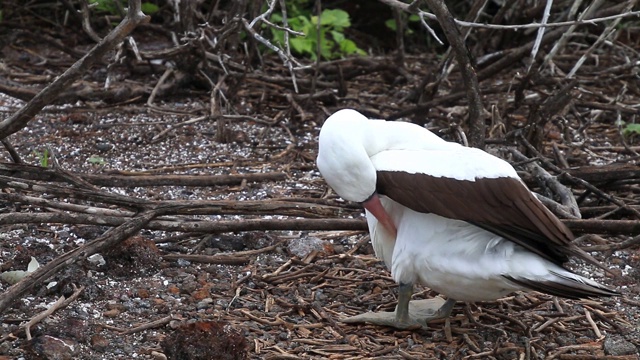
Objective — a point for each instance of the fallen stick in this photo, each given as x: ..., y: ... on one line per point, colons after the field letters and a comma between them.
x: 59, y: 304
x: 76, y: 193
x: 188, y: 225
x: 210, y: 259
x: 30, y: 172
x: 302, y: 208
x: 36, y: 319
x: 150, y: 325
x: 615, y: 246
x: 179, y: 180
x: 583, y: 226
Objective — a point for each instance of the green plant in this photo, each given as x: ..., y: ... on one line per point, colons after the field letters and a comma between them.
x: 149, y: 8
x: 43, y: 157
x: 110, y: 7
x: 333, y: 42
x: 106, y: 6
x: 413, y: 32
x: 631, y: 130
x: 391, y: 23
x: 96, y: 160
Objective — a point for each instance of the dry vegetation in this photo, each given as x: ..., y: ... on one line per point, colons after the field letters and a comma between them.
x: 169, y: 190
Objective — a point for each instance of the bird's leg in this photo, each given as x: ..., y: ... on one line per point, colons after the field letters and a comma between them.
x: 418, y: 314
x: 401, y: 318
x: 402, y: 309
x: 443, y: 312
x: 409, y: 314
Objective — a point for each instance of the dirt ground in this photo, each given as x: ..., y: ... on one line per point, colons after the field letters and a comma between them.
x: 288, y: 290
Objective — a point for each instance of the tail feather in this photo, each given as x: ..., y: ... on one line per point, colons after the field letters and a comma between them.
x: 569, y: 286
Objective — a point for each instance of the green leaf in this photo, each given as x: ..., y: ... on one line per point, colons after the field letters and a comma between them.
x: 349, y: 47
x: 297, y: 7
x: 44, y: 160
x: 96, y: 160
x: 331, y: 40
x: 296, y: 23
x: 278, y: 36
x: 149, y: 8
x: 391, y: 24
x: 107, y: 6
x: 336, y: 18
x: 326, y: 46
x: 276, y: 18
x: 303, y: 25
x: 303, y: 45
x: 631, y: 129
x: 43, y: 157
x: 337, y: 36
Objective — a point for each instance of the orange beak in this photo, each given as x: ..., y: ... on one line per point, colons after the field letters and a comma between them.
x: 374, y: 206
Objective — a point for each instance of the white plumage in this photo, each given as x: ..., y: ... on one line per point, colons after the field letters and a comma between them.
x: 455, y: 219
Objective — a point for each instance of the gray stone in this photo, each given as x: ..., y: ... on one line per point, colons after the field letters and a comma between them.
x: 617, y: 346
x: 303, y: 246
x: 204, y: 303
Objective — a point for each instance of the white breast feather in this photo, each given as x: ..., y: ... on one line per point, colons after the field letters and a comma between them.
x: 382, y: 242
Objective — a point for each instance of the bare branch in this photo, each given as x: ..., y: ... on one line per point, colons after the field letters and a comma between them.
x: 608, y: 31
x: 463, y: 56
x: 540, y: 35
x: 405, y: 7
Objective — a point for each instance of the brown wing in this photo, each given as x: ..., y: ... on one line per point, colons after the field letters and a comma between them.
x: 503, y: 206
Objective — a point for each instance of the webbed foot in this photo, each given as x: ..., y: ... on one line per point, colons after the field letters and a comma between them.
x: 419, y: 311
